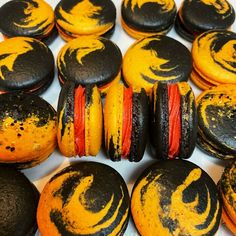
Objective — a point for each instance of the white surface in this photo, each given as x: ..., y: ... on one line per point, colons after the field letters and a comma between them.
x: 40, y: 174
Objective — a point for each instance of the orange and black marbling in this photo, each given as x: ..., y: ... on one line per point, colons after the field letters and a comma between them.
x: 196, y: 17
x: 19, y: 201
x: 143, y: 18
x: 66, y: 123
x: 216, y: 109
x: 84, y: 17
x: 155, y: 59
x: 90, y: 60
x: 214, y: 60
x: 87, y: 198
x: 228, y: 194
x: 114, y: 116
x: 160, y: 125
x: 175, y: 197
x: 34, y: 18
x: 26, y: 64
x: 27, y: 130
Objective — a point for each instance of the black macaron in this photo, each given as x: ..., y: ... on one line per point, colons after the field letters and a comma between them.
x: 31, y: 18
x: 173, y: 121
x: 216, y: 121
x: 90, y: 60
x: 18, y: 203
x: 146, y: 18
x: 196, y: 17
x: 175, y: 197
x: 26, y: 64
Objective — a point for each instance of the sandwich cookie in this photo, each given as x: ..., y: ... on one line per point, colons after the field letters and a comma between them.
x: 26, y: 64
x: 216, y: 110
x: 196, y: 17
x: 145, y: 18
x: 214, y: 59
x: 90, y: 60
x: 27, y: 130
x: 228, y: 195
x: 175, y: 197
x: 79, y: 112
x: 18, y: 203
x: 174, y: 120
x: 126, y: 123
x: 31, y: 18
x: 156, y: 59
x: 87, y: 198
x: 85, y: 17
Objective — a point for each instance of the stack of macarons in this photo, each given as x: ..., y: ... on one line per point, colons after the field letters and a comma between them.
x: 86, y: 198
x: 196, y: 17
x: 173, y: 120
x: 216, y: 110
x: 90, y: 60
x: 28, y: 129
x: 145, y: 18
x: 31, y: 18
x: 156, y: 59
x: 26, y: 64
x: 213, y: 54
x: 85, y: 17
x: 79, y: 130
x: 228, y: 195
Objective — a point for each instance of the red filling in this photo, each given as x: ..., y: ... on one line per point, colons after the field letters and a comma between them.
x: 174, y: 120
x: 127, y: 122
x: 79, y: 120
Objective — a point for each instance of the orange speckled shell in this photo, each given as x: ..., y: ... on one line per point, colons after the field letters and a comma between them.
x: 27, y: 130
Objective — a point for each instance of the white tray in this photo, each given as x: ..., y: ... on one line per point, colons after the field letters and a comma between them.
x: 41, y: 174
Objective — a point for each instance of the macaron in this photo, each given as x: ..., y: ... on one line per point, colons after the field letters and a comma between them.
x: 227, y: 192
x: 173, y: 120
x: 145, y: 18
x: 18, y: 203
x: 79, y: 112
x: 27, y: 130
x: 31, y: 18
x: 90, y: 60
x: 26, y: 64
x: 86, y: 198
x: 216, y: 110
x: 175, y: 197
x: 213, y: 55
x: 85, y: 17
x: 125, y: 123
x: 156, y: 59
x: 196, y: 17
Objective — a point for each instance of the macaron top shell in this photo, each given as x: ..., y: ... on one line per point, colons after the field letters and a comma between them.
x: 227, y: 186
x: 84, y: 17
x: 175, y: 197
x: 89, y: 60
x: 87, y: 198
x: 156, y: 58
x: 216, y: 116
x: 148, y: 15
x: 26, y: 64
x: 28, y: 129
x: 214, y: 56
x: 203, y: 15
x: 34, y: 18
x: 18, y: 203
